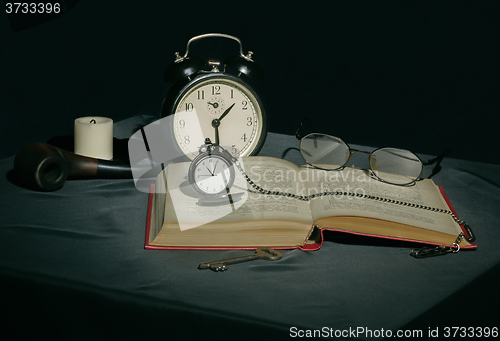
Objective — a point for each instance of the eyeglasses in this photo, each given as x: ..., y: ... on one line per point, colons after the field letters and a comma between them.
x: 391, y: 165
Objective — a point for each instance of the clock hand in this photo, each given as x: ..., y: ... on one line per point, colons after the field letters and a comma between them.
x: 226, y: 112
x: 215, y: 105
x: 228, y: 193
x: 212, y: 174
x: 216, y: 123
x: 215, y: 166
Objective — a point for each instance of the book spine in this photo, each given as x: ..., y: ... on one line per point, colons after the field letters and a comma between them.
x: 150, y: 209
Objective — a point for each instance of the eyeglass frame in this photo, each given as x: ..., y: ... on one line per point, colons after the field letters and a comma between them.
x: 436, y: 160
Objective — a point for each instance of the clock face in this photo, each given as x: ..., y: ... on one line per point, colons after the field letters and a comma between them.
x: 212, y: 175
x: 219, y: 97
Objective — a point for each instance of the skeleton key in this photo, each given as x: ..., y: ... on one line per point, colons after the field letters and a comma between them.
x: 260, y: 253
x: 426, y: 252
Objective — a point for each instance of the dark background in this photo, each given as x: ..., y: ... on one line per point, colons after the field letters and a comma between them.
x: 421, y: 75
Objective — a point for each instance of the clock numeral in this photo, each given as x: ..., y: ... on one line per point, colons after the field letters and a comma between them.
x: 201, y: 94
x: 216, y: 90
x: 182, y: 123
x: 232, y: 93
x: 249, y: 121
x: 244, y: 103
x: 189, y: 107
x: 244, y: 137
x: 186, y: 139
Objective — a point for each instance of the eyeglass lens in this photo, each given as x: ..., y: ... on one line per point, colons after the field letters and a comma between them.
x: 396, y: 166
x: 324, y: 151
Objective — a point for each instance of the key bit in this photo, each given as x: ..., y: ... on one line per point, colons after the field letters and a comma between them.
x: 260, y: 253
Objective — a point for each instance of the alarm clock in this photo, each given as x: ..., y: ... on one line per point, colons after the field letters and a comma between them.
x: 207, y: 101
x: 211, y: 173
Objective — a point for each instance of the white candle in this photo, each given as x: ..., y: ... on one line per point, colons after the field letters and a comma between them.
x: 94, y: 137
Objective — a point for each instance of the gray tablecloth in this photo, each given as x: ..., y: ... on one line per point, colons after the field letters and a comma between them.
x: 73, y: 264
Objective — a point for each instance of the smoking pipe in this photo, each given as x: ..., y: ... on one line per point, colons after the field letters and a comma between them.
x: 45, y: 167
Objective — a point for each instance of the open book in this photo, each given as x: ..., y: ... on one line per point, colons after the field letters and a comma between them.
x: 176, y: 219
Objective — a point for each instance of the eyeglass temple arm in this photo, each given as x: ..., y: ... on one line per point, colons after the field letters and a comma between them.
x: 437, y: 160
x: 297, y: 135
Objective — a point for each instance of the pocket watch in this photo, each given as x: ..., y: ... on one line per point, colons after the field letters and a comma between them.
x: 214, y: 103
x: 211, y: 172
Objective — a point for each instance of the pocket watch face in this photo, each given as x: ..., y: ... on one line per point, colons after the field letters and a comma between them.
x: 212, y: 175
x: 223, y: 98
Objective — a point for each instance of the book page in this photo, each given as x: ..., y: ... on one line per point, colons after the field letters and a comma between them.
x: 183, y: 203
x: 357, y: 181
